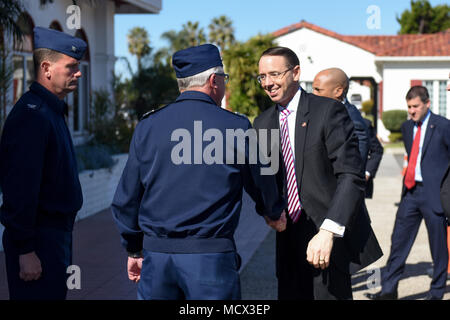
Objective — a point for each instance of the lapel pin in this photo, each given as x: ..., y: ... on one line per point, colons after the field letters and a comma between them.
x: 304, y: 124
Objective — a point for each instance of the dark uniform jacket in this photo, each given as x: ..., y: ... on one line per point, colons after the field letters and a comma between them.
x: 169, y: 199
x: 38, y: 171
x: 445, y: 193
x: 374, y: 158
x: 361, y: 131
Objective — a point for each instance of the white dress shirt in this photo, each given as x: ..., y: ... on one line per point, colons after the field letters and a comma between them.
x: 423, y: 130
x: 329, y: 225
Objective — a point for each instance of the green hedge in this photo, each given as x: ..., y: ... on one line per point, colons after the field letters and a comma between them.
x: 395, y: 137
x: 367, y: 106
x: 393, y: 119
x: 93, y: 157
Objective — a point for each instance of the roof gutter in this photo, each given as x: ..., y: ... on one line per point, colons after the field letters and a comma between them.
x: 412, y: 59
x: 143, y: 6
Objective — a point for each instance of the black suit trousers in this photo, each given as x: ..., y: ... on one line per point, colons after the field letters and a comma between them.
x: 297, y: 279
x: 414, y: 207
x: 54, y: 250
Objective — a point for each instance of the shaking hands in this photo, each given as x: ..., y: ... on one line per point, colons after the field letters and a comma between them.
x: 280, y: 224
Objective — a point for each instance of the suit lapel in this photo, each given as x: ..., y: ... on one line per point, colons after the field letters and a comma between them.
x: 301, y: 128
x: 428, y: 134
x: 409, y: 136
x: 271, y: 122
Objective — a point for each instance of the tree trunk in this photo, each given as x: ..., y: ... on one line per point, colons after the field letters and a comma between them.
x: 421, y: 25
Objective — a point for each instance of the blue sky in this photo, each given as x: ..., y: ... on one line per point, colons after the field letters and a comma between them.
x: 251, y: 17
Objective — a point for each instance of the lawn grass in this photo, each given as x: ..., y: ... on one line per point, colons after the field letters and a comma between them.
x: 394, y: 145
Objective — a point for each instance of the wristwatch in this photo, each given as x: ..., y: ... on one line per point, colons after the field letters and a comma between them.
x: 135, y: 254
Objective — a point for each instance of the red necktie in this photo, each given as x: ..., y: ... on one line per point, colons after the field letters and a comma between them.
x: 294, y: 206
x: 410, y: 180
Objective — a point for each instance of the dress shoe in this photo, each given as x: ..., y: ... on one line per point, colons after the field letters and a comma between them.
x: 382, y: 296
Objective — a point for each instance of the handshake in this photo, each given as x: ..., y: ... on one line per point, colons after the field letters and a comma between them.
x: 280, y: 224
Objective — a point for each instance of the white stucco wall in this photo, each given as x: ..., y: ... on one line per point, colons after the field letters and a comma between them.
x: 397, y: 81
x: 97, y: 22
x: 317, y: 51
x: 356, y: 88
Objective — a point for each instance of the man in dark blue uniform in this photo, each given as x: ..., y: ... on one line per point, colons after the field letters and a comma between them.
x: 39, y: 175
x: 179, y: 199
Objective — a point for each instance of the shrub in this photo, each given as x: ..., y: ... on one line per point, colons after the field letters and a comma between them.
x: 367, y: 106
x: 93, y: 157
x: 107, y: 125
x: 370, y: 118
x: 395, y: 136
x: 393, y: 119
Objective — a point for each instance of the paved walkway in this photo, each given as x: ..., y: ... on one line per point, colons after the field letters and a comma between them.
x: 258, y: 280
x: 415, y: 282
x: 102, y: 260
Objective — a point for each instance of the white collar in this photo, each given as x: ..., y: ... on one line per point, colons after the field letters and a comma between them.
x: 293, y: 104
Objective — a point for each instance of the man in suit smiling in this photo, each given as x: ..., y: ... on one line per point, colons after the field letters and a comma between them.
x: 321, y: 175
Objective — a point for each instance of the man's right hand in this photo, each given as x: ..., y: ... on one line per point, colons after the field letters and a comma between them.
x: 30, y: 266
x: 134, y: 267
x: 280, y: 224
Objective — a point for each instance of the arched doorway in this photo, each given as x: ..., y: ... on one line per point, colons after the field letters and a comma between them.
x: 55, y: 25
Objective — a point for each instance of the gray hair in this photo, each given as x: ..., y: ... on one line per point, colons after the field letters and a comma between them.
x: 197, y: 80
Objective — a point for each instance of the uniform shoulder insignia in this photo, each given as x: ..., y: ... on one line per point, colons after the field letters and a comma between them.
x: 236, y: 113
x: 147, y: 114
x: 31, y: 101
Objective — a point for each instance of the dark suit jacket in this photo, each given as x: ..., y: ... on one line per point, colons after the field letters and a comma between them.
x: 361, y: 131
x: 445, y: 193
x: 435, y: 155
x: 329, y: 174
x: 374, y: 158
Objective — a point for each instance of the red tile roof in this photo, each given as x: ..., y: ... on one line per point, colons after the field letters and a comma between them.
x: 437, y: 44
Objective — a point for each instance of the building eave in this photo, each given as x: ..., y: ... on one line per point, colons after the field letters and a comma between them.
x: 138, y: 6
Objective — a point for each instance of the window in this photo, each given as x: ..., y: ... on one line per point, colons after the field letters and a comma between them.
x: 23, y: 67
x: 437, y: 90
x: 429, y: 86
x: 443, y: 98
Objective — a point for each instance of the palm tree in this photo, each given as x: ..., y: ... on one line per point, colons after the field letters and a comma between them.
x: 10, y: 10
x: 221, y: 32
x: 190, y: 35
x: 194, y: 35
x: 138, y: 44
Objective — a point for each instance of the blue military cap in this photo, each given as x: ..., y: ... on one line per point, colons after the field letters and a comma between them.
x: 59, y: 41
x: 194, y: 60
